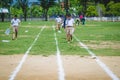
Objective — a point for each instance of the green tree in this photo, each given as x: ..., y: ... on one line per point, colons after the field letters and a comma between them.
x: 105, y: 2
x: 108, y: 12
x: 79, y: 9
x: 81, y: 5
x: 56, y: 10
x: 5, y: 4
x: 35, y: 11
x: 84, y: 4
x: 91, y: 11
x: 15, y: 10
x: 24, y: 5
x: 100, y: 9
x: 46, y: 4
x: 115, y: 9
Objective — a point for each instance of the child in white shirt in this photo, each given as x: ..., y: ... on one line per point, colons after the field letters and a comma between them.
x: 69, y: 27
x: 15, y: 24
x: 58, y: 23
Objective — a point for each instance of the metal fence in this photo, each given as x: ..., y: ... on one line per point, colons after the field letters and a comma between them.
x: 87, y: 19
x: 103, y: 18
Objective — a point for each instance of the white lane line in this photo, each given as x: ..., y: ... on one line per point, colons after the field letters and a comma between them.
x: 17, y: 69
x: 59, y: 60
x: 99, y: 62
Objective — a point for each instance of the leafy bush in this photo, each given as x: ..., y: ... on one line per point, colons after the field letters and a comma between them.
x: 91, y: 11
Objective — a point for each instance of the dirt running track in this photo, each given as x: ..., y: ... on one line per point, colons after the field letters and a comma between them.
x: 45, y: 68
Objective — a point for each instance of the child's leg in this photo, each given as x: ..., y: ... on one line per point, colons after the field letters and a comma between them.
x: 68, y: 34
x: 71, y: 32
x: 68, y: 37
x: 78, y: 22
x: 71, y: 37
x: 16, y: 32
x: 58, y: 26
x: 13, y: 34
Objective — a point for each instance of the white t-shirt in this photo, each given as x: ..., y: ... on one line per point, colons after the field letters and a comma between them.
x: 58, y: 20
x: 15, y: 22
x: 70, y: 22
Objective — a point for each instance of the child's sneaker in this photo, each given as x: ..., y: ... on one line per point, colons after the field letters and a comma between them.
x: 72, y: 40
x: 68, y: 42
x: 59, y: 31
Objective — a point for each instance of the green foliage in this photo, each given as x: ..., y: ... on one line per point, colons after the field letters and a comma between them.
x: 46, y: 4
x: 24, y: 5
x: 74, y: 3
x: 15, y: 11
x: 115, y: 9
x: 35, y: 11
x: 91, y: 11
x: 56, y: 10
x: 80, y: 8
x: 103, y: 9
x: 108, y: 7
x: 49, y: 7
x: 5, y: 3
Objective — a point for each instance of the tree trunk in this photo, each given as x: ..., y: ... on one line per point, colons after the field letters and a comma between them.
x: 25, y: 14
x: 46, y: 18
x: 2, y: 16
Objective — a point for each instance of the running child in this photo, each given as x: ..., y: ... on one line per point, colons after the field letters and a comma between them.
x: 70, y: 24
x: 15, y: 24
x: 58, y: 23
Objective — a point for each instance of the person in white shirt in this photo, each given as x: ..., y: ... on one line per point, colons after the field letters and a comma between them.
x: 70, y: 24
x: 15, y: 24
x: 58, y: 23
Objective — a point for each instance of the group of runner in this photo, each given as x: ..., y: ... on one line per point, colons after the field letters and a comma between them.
x: 69, y: 25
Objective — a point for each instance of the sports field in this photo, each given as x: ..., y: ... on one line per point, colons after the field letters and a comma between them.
x: 41, y: 53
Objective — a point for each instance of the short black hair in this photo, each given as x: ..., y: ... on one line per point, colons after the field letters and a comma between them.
x: 15, y: 15
x: 69, y: 15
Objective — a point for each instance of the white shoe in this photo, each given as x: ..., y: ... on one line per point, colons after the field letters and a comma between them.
x: 59, y: 31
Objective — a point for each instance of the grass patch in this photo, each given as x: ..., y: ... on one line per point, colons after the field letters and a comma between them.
x: 93, y: 34
x: 45, y: 44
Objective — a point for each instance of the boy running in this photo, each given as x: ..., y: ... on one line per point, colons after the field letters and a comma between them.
x: 58, y: 23
x: 15, y: 23
x: 69, y: 27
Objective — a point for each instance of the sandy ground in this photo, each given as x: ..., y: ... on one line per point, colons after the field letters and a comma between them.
x: 45, y: 68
